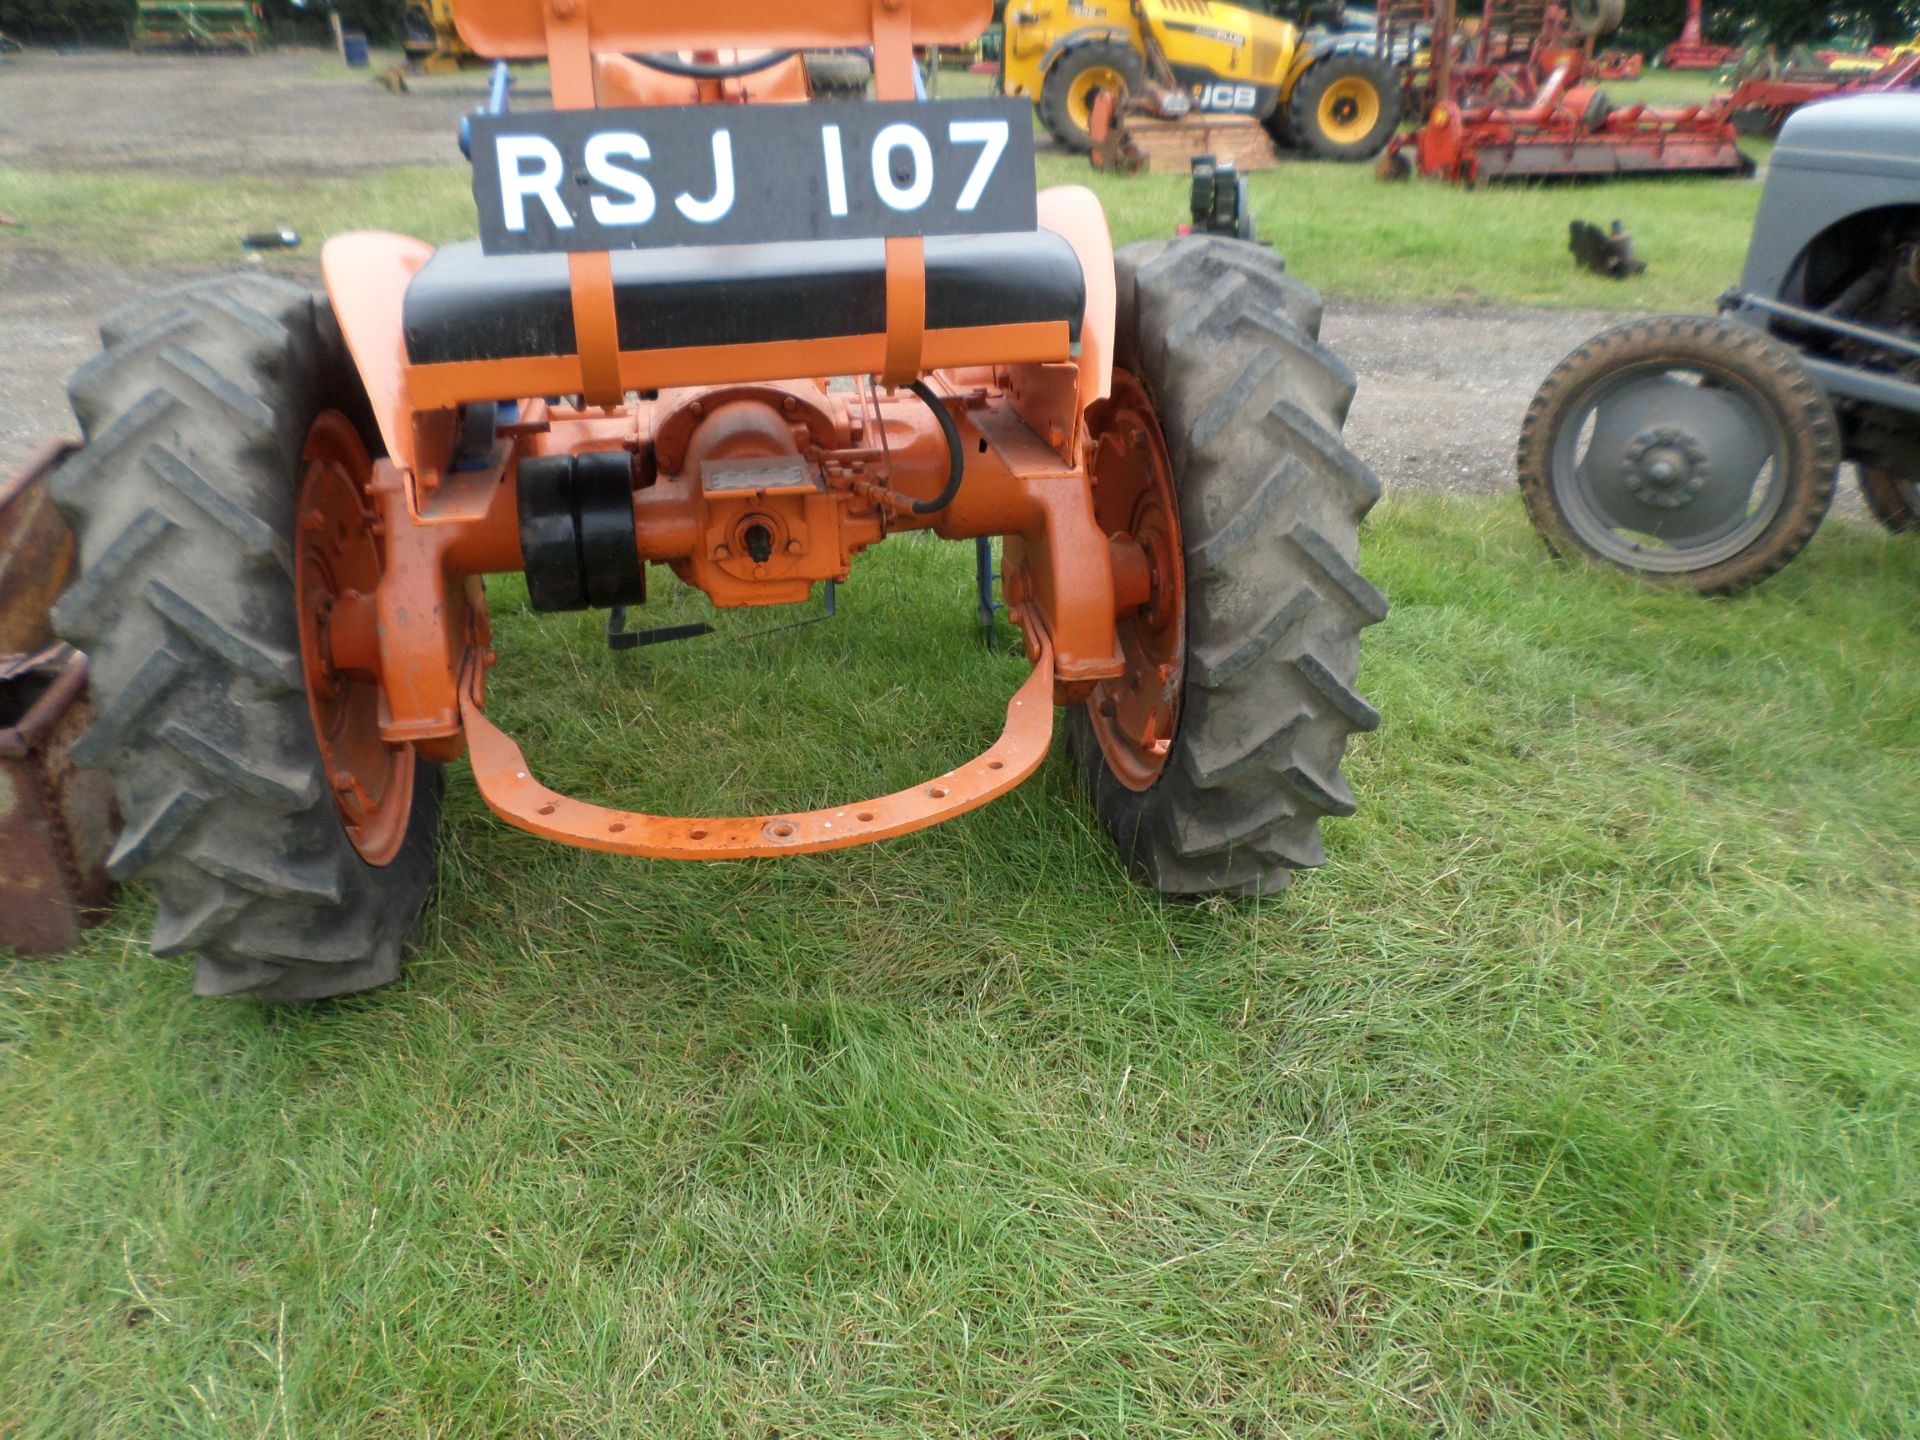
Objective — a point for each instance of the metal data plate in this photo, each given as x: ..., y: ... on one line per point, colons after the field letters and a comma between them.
x: 570, y: 180
x: 721, y: 476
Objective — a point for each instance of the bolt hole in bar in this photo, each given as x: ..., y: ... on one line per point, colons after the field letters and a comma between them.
x: 504, y: 782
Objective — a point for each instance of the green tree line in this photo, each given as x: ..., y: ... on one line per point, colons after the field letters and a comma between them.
x: 110, y: 22
x: 1652, y: 23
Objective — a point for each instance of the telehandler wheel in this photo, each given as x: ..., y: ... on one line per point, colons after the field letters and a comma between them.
x: 1066, y: 95
x: 218, y: 503
x: 1345, y: 107
x: 1213, y: 759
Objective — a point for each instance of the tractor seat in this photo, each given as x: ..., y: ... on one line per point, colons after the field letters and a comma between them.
x: 462, y: 305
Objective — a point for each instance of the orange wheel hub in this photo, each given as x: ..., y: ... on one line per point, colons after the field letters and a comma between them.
x: 336, y: 572
x: 1135, y: 716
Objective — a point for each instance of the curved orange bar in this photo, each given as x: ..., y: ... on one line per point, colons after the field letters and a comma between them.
x: 515, y: 796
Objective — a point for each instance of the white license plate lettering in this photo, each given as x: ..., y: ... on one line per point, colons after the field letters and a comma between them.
x: 598, y: 180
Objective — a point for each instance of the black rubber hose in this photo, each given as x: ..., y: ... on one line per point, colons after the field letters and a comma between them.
x: 699, y: 70
x: 956, y: 455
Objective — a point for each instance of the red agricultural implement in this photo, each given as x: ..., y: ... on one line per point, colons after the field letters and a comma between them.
x: 1563, y: 129
x: 1692, y: 52
x: 1760, y: 104
x: 1504, y: 55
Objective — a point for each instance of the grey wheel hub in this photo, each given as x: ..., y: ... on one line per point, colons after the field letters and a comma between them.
x: 1666, y: 468
x: 1672, y: 475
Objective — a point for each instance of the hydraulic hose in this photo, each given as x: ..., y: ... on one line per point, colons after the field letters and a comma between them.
x: 956, y: 454
x: 702, y: 70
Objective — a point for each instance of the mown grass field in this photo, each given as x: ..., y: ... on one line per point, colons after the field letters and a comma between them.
x: 1573, y: 1097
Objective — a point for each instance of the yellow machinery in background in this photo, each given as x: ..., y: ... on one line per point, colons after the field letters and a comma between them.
x: 431, y: 40
x: 1335, y: 99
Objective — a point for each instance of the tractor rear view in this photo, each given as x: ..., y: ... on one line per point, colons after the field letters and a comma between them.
x: 286, y: 503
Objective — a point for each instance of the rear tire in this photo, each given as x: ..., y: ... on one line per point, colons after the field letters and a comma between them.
x: 1345, y: 107
x: 1886, y: 446
x: 1895, y: 503
x: 1250, y: 407
x: 1066, y: 93
x: 195, y: 415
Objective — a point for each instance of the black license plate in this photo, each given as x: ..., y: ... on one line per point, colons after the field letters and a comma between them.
x: 751, y: 174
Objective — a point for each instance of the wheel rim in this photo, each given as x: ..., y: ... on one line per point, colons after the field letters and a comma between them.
x: 336, y: 571
x: 1669, y: 469
x: 1135, y: 716
x: 1085, y: 86
x: 1349, y: 109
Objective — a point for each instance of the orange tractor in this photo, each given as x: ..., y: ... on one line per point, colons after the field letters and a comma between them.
x: 286, y: 502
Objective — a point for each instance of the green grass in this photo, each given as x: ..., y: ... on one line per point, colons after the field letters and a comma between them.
x: 1573, y: 1097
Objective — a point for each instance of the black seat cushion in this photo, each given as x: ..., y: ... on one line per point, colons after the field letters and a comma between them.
x: 463, y: 305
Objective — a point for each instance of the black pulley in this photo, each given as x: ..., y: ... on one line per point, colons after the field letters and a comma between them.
x: 609, y: 553
x: 576, y: 531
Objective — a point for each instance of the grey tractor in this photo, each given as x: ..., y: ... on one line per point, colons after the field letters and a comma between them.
x: 1703, y: 450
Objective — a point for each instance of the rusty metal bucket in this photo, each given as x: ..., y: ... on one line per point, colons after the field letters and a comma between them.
x: 56, y: 822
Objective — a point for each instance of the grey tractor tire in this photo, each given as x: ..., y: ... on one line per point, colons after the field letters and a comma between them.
x: 1771, y: 372
x: 1303, y: 106
x: 1895, y: 502
x: 1251, y: 406
x: 1885, y: 445
x: 182, y: 500
x: 1054, y: 111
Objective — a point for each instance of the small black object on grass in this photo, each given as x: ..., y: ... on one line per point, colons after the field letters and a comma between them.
x: 1605, y: 252
x: 281, y: 239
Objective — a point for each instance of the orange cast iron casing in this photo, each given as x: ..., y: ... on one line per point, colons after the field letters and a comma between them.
x: 731, y: 441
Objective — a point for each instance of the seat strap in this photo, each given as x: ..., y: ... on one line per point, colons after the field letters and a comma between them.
x: 906, y: 255
x: 596, y: 330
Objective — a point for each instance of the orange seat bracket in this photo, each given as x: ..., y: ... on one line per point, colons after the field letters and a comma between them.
x: 590, y: 273
x: 509, y: 788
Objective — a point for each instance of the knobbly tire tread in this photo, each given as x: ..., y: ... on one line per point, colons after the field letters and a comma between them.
x: 832, y: 75
x: 1689, y: 341
x: 1301, y: 125
x: 1058, y: 84
x: 1251, y: 405
x: 1891, y: 501
x: 182, y: 500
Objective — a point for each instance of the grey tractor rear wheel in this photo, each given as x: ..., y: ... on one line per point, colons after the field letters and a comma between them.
x: 1250, y: 405
x: 1894, y: 501
x: 183, y: 501
x: 1886, y: 447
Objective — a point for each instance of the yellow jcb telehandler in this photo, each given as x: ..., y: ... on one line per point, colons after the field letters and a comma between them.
x: 1332, y: 98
